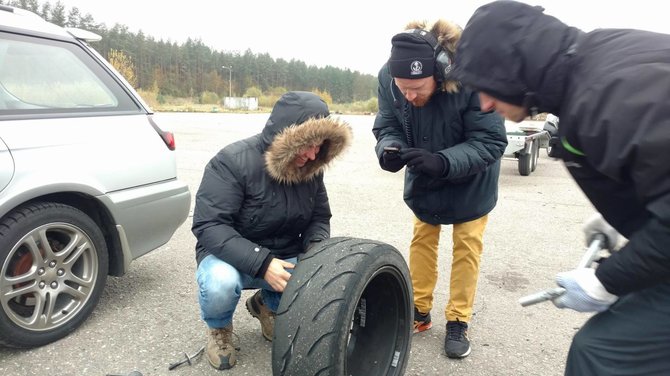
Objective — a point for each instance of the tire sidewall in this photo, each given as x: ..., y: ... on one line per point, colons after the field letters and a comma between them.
x: 373, y: 265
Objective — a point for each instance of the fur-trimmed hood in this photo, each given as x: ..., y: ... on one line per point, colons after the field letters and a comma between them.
x: 448, y: 35
x: 300, y: 120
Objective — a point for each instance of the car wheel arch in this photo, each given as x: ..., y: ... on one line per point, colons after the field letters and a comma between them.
x: 100, y: 214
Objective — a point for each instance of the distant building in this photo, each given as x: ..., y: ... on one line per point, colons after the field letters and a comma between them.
x: 239, y: 103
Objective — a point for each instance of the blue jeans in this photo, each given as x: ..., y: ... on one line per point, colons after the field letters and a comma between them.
x: 220, y: 286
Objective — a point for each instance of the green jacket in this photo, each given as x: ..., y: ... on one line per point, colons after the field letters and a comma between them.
x: 453, y: 125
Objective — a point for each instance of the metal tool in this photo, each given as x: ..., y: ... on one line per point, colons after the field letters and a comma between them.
x: 587, y: 260
x: 188, y: 359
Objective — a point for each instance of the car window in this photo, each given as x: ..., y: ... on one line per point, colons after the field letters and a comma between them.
x: 42, y: 75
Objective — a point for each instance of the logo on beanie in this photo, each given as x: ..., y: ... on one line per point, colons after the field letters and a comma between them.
x: 416, y: 68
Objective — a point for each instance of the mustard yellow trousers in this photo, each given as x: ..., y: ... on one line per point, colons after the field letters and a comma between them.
x: 468, y: 245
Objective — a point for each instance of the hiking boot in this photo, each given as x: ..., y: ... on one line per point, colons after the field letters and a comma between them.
x: 260, y: 311
x: 220, y: 350
x: 457, y: 344
x: 421, y: 322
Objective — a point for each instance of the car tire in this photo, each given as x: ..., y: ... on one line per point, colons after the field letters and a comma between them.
x: 347, y: 310
x: 47, y: 292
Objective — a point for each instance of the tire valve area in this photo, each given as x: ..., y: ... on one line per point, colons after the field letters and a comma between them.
x: 362, y: 312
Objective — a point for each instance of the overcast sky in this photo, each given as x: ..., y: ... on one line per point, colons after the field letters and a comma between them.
x: 353, y: 34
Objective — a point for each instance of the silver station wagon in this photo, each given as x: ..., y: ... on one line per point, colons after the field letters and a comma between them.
x: 88, y: 180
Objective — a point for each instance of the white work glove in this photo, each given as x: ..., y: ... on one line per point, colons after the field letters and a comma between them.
x: 583, y: 291
x: 597, y: 225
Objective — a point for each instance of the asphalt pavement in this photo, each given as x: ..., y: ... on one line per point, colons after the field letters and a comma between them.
x: 149, y: 318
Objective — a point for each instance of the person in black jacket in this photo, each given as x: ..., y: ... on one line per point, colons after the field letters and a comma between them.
x: 452, y: 151
x: 610, y: 88
x: 261, y: 203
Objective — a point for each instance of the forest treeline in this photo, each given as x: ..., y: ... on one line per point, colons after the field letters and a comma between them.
x: 192, y: 69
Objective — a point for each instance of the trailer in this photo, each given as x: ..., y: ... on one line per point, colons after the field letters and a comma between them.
x: 525, y: 139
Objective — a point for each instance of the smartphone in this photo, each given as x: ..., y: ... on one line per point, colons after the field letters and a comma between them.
x: 391, y: 149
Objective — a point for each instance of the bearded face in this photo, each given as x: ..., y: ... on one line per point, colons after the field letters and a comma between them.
x: 417, y: 91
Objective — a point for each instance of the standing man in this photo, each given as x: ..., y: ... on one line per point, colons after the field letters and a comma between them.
x: 611, y: 90
x: 262, y: 202
x: 452, y: 151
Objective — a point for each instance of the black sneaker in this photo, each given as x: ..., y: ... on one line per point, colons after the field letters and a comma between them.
x: 421, y: 322
x: 457, y: 344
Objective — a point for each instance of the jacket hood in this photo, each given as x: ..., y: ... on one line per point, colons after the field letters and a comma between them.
x: 294, y: 107
x: 299, y: 120
x: 447, y: 34
x: 516, y: 53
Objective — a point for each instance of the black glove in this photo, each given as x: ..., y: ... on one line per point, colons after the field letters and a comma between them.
x: 424, y: 161
x: 391, y: 160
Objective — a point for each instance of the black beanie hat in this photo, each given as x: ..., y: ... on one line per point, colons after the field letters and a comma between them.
x: 411, y: 55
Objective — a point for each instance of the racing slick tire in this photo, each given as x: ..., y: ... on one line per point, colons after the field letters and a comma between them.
x: 346, y: 310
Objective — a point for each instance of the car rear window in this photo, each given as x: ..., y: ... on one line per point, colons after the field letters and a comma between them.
x: 45, y: 76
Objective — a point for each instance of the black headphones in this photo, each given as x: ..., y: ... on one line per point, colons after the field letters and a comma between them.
x: 441, y: 56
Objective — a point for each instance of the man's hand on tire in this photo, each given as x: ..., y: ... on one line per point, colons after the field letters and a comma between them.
x: 276, y: 275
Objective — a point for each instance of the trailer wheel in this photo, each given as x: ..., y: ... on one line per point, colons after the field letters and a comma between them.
x: 535, y: 154
x: 347, y: 310
x: 551, y: 148
x: 526, y: 160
